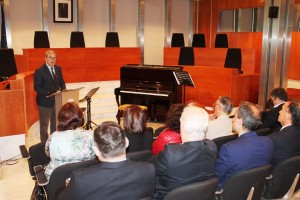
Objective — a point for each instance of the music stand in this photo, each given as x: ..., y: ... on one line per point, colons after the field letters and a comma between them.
x: 87, y: 98
x: 185, y: 79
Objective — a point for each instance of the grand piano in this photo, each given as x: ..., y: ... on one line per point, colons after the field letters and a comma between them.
x: 153, y: 86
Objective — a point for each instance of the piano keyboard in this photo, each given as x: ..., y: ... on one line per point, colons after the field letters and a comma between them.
x: 145, y: 93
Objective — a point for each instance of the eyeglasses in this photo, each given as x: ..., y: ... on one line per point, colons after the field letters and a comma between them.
x: 51, y: 58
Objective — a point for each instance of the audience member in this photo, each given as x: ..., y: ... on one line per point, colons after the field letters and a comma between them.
x: 115, y: 177
x: 220, y: 124
x: 135, y: 125
x: 248, y: 150
x: 270, y: 117
x: 47, y: 80
x: 287, y: 140
x: 171, y: 133
x: 192, y: 161
x: 70, y: 143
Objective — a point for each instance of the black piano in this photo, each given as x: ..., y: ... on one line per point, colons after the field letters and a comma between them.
x: 153, y: 86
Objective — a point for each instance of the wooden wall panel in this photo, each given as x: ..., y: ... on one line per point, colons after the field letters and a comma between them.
x: 86, y: 64
x: 212, y: 57
x: 12, y: 115
x: 21, y: 62
x: 212, y: 82
x: 294, y: 67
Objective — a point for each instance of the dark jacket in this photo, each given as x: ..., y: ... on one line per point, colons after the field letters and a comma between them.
x: 44, y: 85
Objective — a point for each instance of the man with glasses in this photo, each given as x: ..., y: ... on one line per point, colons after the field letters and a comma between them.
x: 270, y: 118
x: 219, y: 123
x: 48, y: 79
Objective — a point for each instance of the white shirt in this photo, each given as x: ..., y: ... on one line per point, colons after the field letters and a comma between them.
x: 222, y: 126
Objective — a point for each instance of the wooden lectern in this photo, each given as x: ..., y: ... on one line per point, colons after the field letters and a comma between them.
x: 65, y: 96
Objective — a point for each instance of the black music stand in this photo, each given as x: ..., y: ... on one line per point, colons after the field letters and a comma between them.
x: 185, y: 79
x: 87, y: 98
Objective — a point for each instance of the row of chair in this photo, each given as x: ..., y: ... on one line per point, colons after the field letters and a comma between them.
x: 221, y: 40
x: 233, y: 57
x: 41, y: 39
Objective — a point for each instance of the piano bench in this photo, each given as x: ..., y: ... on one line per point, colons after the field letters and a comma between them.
x: 121, y: 108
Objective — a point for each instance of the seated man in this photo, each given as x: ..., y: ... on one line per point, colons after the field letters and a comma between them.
x: 287, y: 141
x: 220, y: 124
x: 248, y: 150
x: 115, y: 177
x: 192, y: 161
x: 270, y: 117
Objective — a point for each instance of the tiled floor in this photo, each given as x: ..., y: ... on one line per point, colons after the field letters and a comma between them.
x: 17, y: 184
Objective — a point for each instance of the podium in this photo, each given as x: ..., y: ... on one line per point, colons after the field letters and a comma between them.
x: 63, y: 97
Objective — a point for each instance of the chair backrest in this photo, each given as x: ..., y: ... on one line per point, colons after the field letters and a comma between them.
x: 77, y: 40
x: 204, y: 190
x: 222, y: 140
x: 61, y: 173
x: 8, y: 65
x: 177, y: 40
x: 198, y: 40
x: 41, y: 39
x: 283, y: 176
x: 186, y: 56
x: 263, y: 131
x: 37, y: 157
x: 221, y: 40
x: 233, y: 58
x: 140, y: 155
x: 239, y: 185
x: 112, y: 39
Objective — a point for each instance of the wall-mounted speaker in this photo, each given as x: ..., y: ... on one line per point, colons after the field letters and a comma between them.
x: 273, y: 11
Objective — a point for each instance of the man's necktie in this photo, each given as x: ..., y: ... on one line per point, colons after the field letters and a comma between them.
x: 53, y: 73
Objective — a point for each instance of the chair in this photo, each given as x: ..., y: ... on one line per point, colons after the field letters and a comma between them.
x: 77, y: 40
x: 138, y: 156
x: 177, y: 40
x: 221, y: 40
x: 222, y: 140
x: 250, y: 195
x: 263, y: 131
x: 35, y: 156
x: 204, y: 190
x: 239, y: 185
x: 186, y: 56
x: 58, y: 177
x: 158, y: 131
x: 41, y: 39
x: 282, y: 178
x: 233, y: 58
x: 8, y: 65
x: 198, y: 40
x: 112, y: 39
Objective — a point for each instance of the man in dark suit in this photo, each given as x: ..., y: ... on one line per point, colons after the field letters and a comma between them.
x: 270, y: 117
x: 248, y: 150
x: 115, y: 177
x: 48, y: 79
x: 192, y: 161
x: 287, y: 140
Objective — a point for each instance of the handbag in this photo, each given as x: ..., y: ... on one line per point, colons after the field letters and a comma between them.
x: 38, y: 193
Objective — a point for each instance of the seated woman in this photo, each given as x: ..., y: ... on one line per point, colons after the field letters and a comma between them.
x: 135, y: 125
x: 69, y: 143
x: 172, y: 129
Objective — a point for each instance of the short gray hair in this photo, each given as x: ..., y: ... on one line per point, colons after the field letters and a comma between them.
x: 226, y: 104
x: 250, y: 115
x: 194, y: 122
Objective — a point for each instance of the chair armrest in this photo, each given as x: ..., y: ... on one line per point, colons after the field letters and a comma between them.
x: 268, y: 186
x: 24, y: 152
x: 40, y: 175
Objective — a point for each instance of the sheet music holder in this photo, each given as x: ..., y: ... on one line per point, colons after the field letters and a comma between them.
x: 185, y: 79
x: 87, y: 98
